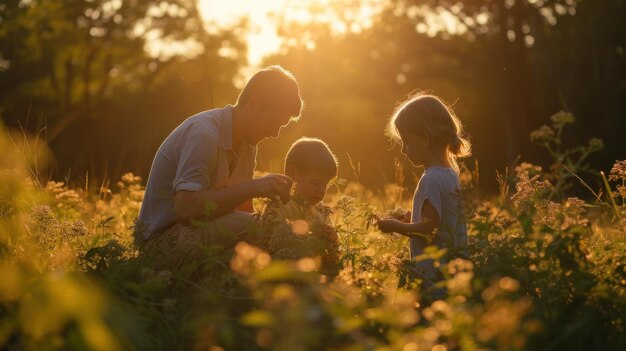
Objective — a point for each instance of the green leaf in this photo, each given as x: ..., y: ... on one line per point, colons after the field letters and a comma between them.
x: 258, y: 318
x: 282, y: 271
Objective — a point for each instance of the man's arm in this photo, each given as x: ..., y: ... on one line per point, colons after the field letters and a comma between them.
x: 247, y: 206
x: 211, y: 204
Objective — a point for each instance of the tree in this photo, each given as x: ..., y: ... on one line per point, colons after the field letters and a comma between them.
x: 511, y: 64
x: 66, y: 57
x: 95, y: 71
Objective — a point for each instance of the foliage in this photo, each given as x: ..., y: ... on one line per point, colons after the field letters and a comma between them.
x: 543, y: 274
x: 502, y: 64
x: 566, y: 163
x: 84, y: 72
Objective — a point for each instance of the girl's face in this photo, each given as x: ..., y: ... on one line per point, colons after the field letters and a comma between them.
x: 414, y: 147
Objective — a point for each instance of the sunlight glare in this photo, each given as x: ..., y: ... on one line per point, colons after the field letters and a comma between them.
x: 263, y: 39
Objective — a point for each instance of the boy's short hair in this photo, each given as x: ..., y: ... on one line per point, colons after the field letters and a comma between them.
x: 277, y: 87
x: 311, y: 154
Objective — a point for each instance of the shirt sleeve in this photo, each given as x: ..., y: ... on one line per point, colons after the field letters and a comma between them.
x: 197, y: 161
x: 430, y: 190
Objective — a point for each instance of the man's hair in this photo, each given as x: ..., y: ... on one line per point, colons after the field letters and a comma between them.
x: 277, y: 87
x: 311, y: 155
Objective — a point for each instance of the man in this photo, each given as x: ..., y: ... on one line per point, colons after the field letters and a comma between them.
x: 203, y: 170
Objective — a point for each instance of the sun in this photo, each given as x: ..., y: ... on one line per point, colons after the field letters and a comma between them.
x: 263, y: 38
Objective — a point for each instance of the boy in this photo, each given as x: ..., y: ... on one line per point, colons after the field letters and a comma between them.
x: 302, y: 227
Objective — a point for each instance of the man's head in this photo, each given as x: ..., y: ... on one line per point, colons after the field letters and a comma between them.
x: 311, y: 164
x: 269, y: 101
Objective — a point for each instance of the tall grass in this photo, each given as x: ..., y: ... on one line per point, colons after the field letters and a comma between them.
x: 546, y: 271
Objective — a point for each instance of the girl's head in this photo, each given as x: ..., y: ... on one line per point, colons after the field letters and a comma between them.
x: 312, y: 165
x: 428, y: 130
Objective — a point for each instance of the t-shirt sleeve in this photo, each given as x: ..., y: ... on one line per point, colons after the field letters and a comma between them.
x: 197, y: 161
x: 430, y: 190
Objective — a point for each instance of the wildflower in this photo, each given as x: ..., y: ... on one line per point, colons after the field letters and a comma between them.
x: 562, y: 117
x: 550, y: 211
x: 338, y: 182
x: 326, y: 211
x: 528, y: 167
x: 542, y: 135
x: 305, y: 234
x: 70, y: 196
x: 346, y: 204
x: 595, y: 144
x: 618, y: 172
x: 55, y: 186
x: 130, y: 178
x: 78, y: 228
x: 42, y: 216
x: 398, y: 213
x: 528, y: 189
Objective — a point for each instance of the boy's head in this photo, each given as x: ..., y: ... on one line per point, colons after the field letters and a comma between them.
x: 311, y: 164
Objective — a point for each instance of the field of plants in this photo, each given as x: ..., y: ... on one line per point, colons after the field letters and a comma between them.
x: 546, y: 271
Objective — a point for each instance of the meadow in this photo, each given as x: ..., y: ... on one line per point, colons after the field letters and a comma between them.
x: 546, y: 271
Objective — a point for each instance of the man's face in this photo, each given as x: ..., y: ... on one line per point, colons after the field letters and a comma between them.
x: 265, y: 122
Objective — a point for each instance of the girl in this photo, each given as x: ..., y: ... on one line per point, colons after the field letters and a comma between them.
x: 431, y: 136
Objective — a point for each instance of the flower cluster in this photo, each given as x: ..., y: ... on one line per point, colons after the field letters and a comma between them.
x: 562, y: 117
x: 306, y: 234
x: 618, y: 172
x: 563, y: 216
x: 542, y: 135
x: 529, y: 189
x: 64, y: 196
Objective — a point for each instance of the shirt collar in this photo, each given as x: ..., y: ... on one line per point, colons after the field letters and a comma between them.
x: 226, y: 135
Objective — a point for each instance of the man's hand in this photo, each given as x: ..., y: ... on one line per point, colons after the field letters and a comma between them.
x: 390, y: 225
x: 273, y: 185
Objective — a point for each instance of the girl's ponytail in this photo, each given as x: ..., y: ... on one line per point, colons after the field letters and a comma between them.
x: 460, y: 145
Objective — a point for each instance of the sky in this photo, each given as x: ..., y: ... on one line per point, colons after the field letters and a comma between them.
x: 262, y: 39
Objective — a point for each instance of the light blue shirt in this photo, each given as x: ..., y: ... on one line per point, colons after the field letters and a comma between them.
x: 195, y: 156
x: 441, y: 187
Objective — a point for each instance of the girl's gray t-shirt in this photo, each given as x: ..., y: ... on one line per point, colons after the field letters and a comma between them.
x: 441, y: 187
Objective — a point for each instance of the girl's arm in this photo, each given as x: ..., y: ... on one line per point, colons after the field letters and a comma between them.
x: 430, y: 222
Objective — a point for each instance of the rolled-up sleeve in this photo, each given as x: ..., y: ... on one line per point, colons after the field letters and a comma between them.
x: 197, y: 161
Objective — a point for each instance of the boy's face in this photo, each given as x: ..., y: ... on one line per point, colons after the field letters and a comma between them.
x: 310, y: 185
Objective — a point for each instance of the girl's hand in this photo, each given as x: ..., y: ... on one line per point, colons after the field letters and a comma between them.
x: 407, y: 217
x: 389, y: 225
